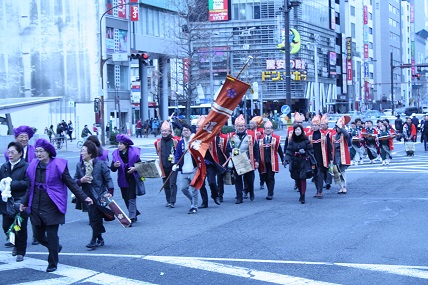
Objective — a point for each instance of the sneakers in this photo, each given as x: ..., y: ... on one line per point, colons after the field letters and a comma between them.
x: 192, y: 211
x: 383, y: 162
x: 361, y: 162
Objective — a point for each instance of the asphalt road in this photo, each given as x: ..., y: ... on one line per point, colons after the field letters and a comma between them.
x: 375, y: 234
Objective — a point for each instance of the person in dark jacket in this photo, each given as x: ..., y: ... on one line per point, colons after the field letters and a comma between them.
x: 94, y: 177
x: 424, y: 131
x: 15, y: 168
x: 165, y: 148
x: 299, y: 149
x: 46, y: 198
x: 124, y: 158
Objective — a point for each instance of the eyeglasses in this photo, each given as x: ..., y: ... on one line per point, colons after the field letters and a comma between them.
x: 12, y: 152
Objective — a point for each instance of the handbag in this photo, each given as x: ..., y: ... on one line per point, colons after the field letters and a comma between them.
x: 9, y: 208
x: 309, y: 171
x: 139, y: 186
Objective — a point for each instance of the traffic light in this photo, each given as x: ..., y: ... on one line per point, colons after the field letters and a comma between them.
x: 96, y: 105
x: 142, y: 57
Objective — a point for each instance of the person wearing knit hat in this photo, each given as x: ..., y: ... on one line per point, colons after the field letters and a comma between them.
x: 165, y: 148
x: 46, y: 198
x: 124, y: 159
x: 322, y: 149
x: 22, y: 135
x: 243, y: 142
x: 270, y: 148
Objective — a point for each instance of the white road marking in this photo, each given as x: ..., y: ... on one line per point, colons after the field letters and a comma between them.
x: 68, y: 273
x: 238, y: 271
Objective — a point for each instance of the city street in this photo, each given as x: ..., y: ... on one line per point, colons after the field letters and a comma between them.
x: 375, y: 234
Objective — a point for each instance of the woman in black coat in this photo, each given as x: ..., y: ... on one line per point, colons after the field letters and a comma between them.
x: 297, y: 155
x: 16, y: 169
x: 93, y: 176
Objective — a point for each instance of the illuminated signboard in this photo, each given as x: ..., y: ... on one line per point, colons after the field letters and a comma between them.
x: 218, y: 10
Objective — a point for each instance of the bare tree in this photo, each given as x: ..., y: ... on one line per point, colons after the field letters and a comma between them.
x: 185, y: 31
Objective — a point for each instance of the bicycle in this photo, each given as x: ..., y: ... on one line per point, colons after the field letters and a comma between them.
x: 81, y: 142
x: 58, y: 142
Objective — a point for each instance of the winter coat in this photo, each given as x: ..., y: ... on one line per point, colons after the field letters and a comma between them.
x: 20, y: 181
x: 101, y: 182
x: 298, y: 162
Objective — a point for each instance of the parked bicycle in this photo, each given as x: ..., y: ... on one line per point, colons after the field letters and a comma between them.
x: 58, y: 141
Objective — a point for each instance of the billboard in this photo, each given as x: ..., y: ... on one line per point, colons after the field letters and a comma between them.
x: 218, y: 10
x: 332, y: 58
x: 110, y: 40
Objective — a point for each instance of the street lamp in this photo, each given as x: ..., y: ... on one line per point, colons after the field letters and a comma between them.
x: 102, y: 62
x: 288, y: 4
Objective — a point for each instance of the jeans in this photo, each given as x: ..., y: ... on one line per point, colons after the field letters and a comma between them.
x: 189, y: 191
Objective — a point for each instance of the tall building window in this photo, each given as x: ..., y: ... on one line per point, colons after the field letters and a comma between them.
x: 352, y: 11
x: 352, y: 30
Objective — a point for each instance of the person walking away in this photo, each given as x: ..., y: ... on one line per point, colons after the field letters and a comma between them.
x: 186, y: 168
x: 124, y: 159
x: 424, y: 132
x: 146, y: 128
x: 165, y: 149
x: 155, y: 127
x: 15, y: 170
x: 108, y: 131
x: 46, y: 198
x: 270, y: 148
x: 50, y: 133
x: 398, y: 127
x: 139, y: 128
x: 93, y: 176
x: 70, y: 129
x: 299, y: 149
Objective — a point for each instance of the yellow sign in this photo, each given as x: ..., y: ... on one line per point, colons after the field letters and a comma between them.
x: 280, y: 75
x: 294, y: 42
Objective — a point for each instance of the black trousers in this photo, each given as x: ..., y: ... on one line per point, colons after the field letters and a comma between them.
x: 48, y: 237
x: 269, y: 178
x: 96, y: 220
x: 248, y: 179
x: 20, y: 236
x: 220, y: 184
x: 170, y: 188
x: 211, y: 177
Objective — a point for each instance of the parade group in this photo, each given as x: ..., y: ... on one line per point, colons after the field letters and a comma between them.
x: 34, y: 181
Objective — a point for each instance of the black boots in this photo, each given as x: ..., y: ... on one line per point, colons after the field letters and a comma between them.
x: 302, y: 198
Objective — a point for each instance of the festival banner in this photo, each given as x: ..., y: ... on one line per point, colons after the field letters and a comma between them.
x: 229, y: 97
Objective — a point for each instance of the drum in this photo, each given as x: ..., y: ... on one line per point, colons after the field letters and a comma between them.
x: 242, y: 163
x: 149, y: 169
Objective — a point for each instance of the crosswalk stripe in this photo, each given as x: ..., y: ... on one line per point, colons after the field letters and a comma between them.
x: 238, y: 271
x: 69, y: 274
x: 53, y: 281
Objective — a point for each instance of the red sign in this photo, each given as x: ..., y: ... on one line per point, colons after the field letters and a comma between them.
x: 349, y: 71
x: 366, y: 51
x: 366, y: 15
x: 121, y: 10
x: 134, y: 11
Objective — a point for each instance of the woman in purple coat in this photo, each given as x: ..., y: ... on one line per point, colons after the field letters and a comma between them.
x: 46, y: 198
x: 124, y: 158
